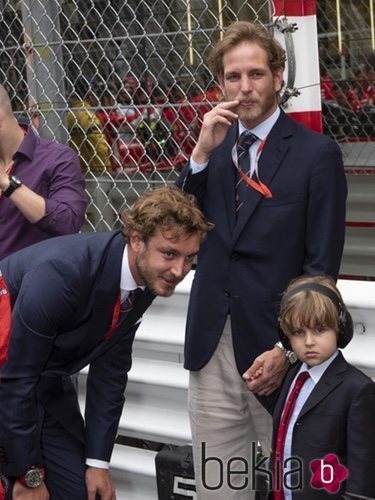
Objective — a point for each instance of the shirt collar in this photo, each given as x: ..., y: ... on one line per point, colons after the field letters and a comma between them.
x: 264, y: 128
x: 27, y: 146
x: 127, y: 282
x: 316, y: 372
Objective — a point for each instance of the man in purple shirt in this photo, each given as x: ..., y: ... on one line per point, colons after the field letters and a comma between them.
x: 42, y: 188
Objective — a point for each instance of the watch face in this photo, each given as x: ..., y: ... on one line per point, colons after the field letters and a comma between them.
x: 15, y: 181
x: 34, y: 478
x: 292, y: 357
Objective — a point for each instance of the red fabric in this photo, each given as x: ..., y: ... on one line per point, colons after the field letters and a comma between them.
x: 281, y: 434
x: 295, y: 7
x: 326, y: 85
x: 115, y: 318
x: 5, y: 321
x: 120, y: 309
x: 311, y: 119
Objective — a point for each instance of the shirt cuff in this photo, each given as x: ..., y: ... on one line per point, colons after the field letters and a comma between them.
x: 99, y: 464
x: 196, y: 167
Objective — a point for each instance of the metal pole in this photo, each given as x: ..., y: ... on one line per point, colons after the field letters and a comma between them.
x: 45, y: 73
x: 304, y: 106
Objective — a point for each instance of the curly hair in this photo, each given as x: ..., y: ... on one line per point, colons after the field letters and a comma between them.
x: 309, y: 308
x: 244, y: 31
x: 168, y: 209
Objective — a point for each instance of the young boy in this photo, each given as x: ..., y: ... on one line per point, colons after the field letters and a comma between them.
x: 324, y: 442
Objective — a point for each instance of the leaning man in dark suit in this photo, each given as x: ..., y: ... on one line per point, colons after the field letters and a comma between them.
x: 61, y: 305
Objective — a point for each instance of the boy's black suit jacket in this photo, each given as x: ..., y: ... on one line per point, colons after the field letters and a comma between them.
x: 338, y: 417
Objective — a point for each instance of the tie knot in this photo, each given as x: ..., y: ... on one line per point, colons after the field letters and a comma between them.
x: 130, y: 300
x: 245, y: 140
x: 302, y: 377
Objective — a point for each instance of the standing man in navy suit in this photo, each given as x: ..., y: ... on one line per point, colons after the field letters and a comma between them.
x: 278, y: 205
x: 61, y: 307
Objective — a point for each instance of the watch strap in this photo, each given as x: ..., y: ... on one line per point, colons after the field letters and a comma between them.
x: 290, y: 355
x: 14, y: 184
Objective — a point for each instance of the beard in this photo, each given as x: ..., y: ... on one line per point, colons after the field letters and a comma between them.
x: 261, y: 108
x: 162, y: 284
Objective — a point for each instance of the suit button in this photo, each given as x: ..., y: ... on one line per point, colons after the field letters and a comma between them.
x: 234, y: 256
x: 226, y: 293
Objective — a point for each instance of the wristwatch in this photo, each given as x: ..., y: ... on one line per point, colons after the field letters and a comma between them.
x: 14, y: 183
x: 290, y: 355
x: 33, y: 478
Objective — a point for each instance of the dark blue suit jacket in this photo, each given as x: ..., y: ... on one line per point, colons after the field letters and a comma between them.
x: 244, y: 266
x: 338, y: 418
x: 63, y: 293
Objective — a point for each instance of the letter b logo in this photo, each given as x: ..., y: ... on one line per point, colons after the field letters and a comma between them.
x: 328, y: 473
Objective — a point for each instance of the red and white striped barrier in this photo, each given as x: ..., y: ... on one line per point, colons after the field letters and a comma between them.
x: 305, y: 107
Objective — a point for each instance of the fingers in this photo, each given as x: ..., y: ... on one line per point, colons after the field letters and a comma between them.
x: 264, y: 385
x: 255, y: 368
x: 222, y: 113
x: 264, y: 376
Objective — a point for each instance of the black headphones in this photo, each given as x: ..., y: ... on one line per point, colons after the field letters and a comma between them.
x: 345, y: 320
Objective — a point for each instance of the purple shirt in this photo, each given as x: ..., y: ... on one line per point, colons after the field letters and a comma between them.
x: 53, y: 171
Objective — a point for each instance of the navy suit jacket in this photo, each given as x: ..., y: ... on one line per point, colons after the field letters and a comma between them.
x: 63, y: 293
x: 244, y: 265
x: 338, y: 418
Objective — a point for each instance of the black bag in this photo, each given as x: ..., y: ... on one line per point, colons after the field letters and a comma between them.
x: 175, y: 473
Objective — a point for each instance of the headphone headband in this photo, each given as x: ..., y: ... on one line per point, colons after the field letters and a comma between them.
x: 316, y: 287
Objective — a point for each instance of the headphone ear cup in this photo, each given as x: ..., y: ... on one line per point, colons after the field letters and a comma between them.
x: 345, y: 328
x: 283, y: 338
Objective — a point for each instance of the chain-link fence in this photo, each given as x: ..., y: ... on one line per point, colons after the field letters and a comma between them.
x: 126, y: 84
x: 347, y: 58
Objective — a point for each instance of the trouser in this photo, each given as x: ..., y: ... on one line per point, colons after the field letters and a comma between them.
x: 227, y: 423
x: 64, y: 457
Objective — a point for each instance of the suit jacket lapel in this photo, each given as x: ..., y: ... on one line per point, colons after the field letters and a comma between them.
x: 275, y: 149
x: 107, y: 290
x: 227, y: 175
x: 126, y: 326
x: 330, y: 379
x: 135, y: 314
x: 270, y: 161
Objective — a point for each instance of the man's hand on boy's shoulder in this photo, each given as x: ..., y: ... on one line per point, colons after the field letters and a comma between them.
x: 266, y: 374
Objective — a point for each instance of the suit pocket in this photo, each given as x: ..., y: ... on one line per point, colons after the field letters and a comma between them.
x: 323, y: 431
x: 280, y: 199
